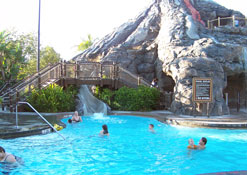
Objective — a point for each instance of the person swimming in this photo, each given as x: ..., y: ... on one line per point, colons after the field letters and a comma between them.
x: 151, y: 128
x: 75, y: 118
x: 6, y: 157
x: 201, y: 145
x: 104, y: 130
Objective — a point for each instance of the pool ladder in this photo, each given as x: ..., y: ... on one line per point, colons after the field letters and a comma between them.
x: 16, y: 114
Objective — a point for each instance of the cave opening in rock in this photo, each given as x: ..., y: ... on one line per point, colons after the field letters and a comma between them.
x: 167, y: 88
x: 168, y: 83
x: 236, y: 91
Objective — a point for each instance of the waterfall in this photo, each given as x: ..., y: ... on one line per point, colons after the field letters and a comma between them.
x: 89, y: 103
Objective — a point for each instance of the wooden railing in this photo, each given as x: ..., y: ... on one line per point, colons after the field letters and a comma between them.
x: 234, y: 21
x: 63, y: 71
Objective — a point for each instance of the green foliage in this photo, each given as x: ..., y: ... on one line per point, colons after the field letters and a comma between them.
x: 53, y: 99
x: 97, y: 91
x: 1, y: 100
x: 130, y: 99
x: 18, y: 55
x: 47, y: 56
x: 85, y: 43
x: 107, y: 96
x: 11, y: 56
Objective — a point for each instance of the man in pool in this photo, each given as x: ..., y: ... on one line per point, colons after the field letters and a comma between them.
x: 151, y: 128
x: 201, y: 145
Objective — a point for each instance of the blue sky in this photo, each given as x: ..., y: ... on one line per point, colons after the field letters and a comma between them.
x: 65, y: 23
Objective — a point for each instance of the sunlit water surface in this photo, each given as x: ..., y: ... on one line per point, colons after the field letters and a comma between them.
x: 130, y: 149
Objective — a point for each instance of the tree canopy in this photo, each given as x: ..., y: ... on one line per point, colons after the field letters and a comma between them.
x: 18, y: 55
x: 11, y: 56
x: 85, y: 43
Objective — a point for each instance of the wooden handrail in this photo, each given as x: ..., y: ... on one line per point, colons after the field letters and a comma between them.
x: 134, y: 76
x: 219, y: 19
x: 111, y: 71
x: 28, y: 80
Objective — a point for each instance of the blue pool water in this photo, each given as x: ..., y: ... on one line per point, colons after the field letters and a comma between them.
x: 130, y: 149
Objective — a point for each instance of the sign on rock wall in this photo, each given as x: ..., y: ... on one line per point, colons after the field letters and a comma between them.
x: 202, y: 90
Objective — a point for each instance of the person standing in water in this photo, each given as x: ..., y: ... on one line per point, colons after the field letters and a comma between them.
x: 201, y: 145
x: 76, y: 117
x: 6, y: 157
x: 104, y: 130
x: 151, y: 128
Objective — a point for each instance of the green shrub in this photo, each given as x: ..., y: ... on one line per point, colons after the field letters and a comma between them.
x: 53, y: 99
x: 1, y: 100
x: 140, y: 99
x: 97, y: 91
x: 131, y: 99
x: 107, y: 96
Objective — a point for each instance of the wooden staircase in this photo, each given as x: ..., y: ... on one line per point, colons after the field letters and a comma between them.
x: 66, y: 74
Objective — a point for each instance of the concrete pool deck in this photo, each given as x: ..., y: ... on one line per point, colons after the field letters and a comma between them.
x: 232, y: 121
x: 31, y: 124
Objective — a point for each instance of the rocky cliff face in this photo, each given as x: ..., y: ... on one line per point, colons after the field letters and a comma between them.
x: 170, y: 41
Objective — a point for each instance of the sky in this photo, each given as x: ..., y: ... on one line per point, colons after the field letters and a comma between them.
x: 65, y: 23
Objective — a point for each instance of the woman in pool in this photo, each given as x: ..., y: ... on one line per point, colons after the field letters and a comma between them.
x: 6, y: 157
x: 151, y: 128
x: 104, y: 131
x: 201, y: 145
x: 76, y: 117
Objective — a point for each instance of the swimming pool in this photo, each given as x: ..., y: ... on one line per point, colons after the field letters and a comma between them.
x: 130, y: 149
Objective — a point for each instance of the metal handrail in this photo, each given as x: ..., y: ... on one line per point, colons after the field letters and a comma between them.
x: 36, y: 113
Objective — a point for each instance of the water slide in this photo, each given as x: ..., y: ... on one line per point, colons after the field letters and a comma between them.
x: 90, y: 104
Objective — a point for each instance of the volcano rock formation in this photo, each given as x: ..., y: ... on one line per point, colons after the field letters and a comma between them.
x: 170, y: 41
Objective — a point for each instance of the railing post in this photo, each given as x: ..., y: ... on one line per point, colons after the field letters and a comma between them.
x: 17, y: 96
x: 233, y: 21
x: 209, y: 25
x: 61, y: 69
x: 113, y: 76
x: 218, y: 21
x: 39, y: 81
x: 139, y: 81
x: 75, y: 70
x: 49, y: 73
x: 101, y: 75
x: 3, y: 105
x: 64, y: 70
x: 101, y: 71
x: 16, y: 115
x: 10, y: 103
x: 114, y: 71
x: 29, y: 88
